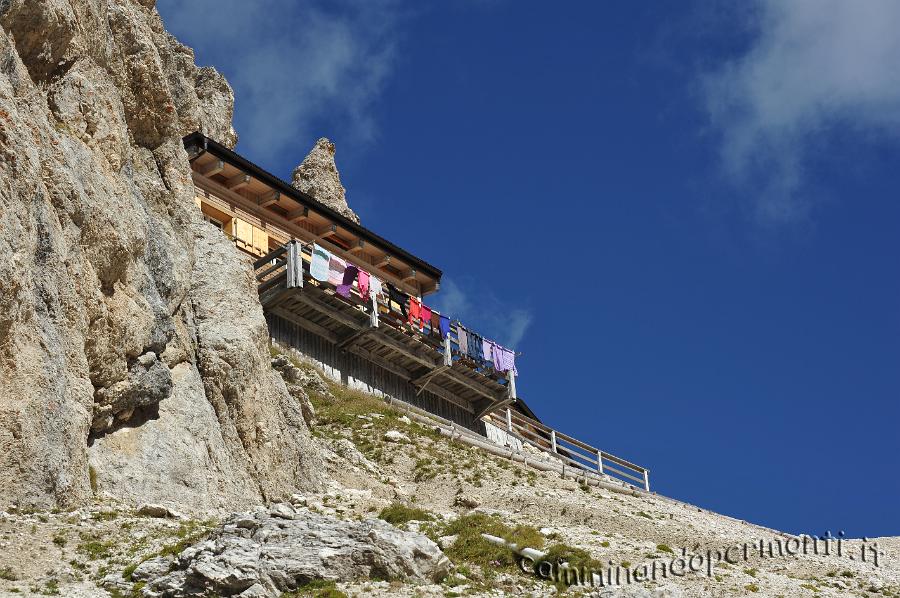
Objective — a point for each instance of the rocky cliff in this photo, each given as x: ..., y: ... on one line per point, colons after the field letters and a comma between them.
x: 318, y: 176
x: 133, y: 353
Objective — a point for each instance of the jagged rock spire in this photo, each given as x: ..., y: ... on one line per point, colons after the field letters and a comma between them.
x: 318, y: 176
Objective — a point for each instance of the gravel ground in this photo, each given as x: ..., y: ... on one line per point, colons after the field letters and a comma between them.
x: 84, y: 553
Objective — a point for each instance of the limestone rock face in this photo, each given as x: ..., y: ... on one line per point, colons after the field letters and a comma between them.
x: 318, y: 176
x: 268, y: 552
x: 109, y: 335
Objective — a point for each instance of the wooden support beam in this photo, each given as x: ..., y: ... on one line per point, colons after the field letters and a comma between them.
x: 238, y: 181
x: 328, y: 231
x: 381, y: 361
x: 472, y: 385
x: 489, y: 407
x: 410, y: 275
x: 274, y: 297
x: 214, y: 167
x: 297, y: 215
x: 353, y: 338
x: 331, y: 312
x: 483, y: 407
x: 424, y: 378
x: 306, y: 324
x: 422, y: 381
x: 268, y: 198
x: 359, y: 248
x: 384, y: 261
x: 405, y: 350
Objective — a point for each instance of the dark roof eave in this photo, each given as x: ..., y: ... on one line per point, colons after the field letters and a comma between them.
x: 220, y: 151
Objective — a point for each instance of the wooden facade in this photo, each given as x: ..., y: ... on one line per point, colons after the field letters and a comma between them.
x: 365, y: 346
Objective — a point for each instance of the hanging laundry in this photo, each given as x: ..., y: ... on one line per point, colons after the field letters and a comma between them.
x: 444, y: 326
x: 415, y: 309
x: 425, y: 313
x: 375, y: 286
x: 400, y: 298
x: 318, y: 268
x: 486, y: 348
x: 475, y: 346
x: 364, y: 285
x: 462, y: 337
x: 343, y: 289
x: 504, y: 359
x: 336, y: 267
x: 436, y: 324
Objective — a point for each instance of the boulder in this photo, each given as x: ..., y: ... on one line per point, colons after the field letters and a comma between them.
x: 276, y: 555
x: 395, y: 436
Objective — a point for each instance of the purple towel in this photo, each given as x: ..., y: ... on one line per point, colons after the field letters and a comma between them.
x: 486, y: 349
x: 504, y: 359
x: 350, y: 273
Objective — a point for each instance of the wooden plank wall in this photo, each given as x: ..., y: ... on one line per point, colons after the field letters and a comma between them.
x: 357, y: 373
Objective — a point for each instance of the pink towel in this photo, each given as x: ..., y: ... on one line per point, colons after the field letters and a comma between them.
x: 364, y: 284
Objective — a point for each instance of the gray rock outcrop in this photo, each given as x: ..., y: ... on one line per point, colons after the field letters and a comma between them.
x: 126, y: 323
x: 271, y: 551
x: 318, y: 176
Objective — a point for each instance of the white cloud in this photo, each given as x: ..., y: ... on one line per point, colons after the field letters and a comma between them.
x: 814, y: 66
x: 292, y: 63
x: 484, y: 313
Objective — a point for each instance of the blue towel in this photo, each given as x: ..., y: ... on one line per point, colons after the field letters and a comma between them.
x: 318, y: 268
x: 445, y: 326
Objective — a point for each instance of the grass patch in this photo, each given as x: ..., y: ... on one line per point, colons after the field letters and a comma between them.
x: 751, y: 572
x: 189, y: 532
x: 665, y: 548
x: 577, y: 558
x: 398, y: 514
x: 751, y: 587
x: 318, y: 588
x: 92, y: 478
x: 104, y: 515
x: 94, y: 549
x: 8, y: 574
x: 471, y: 548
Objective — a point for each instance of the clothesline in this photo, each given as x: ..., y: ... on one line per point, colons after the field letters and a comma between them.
x: 327, y: 267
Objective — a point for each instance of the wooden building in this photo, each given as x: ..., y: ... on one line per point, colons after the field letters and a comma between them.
x: 365, y: 345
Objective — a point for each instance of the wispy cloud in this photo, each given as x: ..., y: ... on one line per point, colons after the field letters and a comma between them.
x: 484, y: 312
x: 293, y: 64
x: 813, y: 66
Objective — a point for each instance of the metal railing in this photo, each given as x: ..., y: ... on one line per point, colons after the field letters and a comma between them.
x: 567, y: 449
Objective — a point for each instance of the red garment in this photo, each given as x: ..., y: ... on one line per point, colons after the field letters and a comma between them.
x: 363, y: 282
x: 426, y: 315
x: 414, y: 311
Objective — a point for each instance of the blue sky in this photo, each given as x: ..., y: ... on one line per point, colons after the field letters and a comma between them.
x: 684, y: 216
